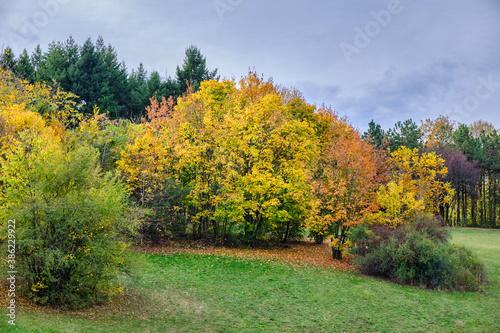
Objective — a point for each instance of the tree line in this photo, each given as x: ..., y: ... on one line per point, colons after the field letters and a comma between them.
x: 93, y: 73
x: 472, y: 157
x: 245, y: 162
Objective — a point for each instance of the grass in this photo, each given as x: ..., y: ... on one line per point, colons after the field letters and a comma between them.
x: 207, y: 293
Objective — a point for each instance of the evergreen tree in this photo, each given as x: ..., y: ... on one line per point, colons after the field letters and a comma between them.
x: 405, y: 134
x: 36, y: 57
x: 24, y: 68
x: 139, y: 92
x: 7, y: 59
x: 374, y: 135
x: 194, y: 70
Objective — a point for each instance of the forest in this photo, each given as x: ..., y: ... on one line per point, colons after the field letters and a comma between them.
x: 94, y: 157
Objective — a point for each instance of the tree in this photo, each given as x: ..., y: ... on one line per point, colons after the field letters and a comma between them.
x: 139, y: 92
x: 405, y: 134
x: 469, y: 145
x: 416, y: 186
x: 242, y: 153
x: 71, y: 216
x: 437, y: 133
x: 479, y: 127
x: 54, y: 67
x: 7, y: 59
x: 23, y: 68
x: 463, y: 176
x: 344, y: 184
x: 194, y: 70
x: 490, y: 164
x: 375, y: 135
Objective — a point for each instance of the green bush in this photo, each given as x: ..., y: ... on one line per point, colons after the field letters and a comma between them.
x: 418, y: 255
x: 70, y: 218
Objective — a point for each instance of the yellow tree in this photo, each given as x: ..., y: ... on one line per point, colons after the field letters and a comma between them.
x: 415, y: 186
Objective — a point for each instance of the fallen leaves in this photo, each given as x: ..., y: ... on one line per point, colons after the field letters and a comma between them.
x: 296, y: 253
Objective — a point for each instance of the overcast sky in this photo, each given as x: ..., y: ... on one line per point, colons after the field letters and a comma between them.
x: 368, y: 59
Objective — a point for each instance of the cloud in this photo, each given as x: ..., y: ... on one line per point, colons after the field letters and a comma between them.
x: 430, y: 56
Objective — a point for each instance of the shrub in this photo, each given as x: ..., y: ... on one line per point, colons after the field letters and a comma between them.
x: 419, y: 255
x: 69, y: 217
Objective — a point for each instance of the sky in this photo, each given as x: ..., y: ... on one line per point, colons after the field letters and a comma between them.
x: 386, y: 60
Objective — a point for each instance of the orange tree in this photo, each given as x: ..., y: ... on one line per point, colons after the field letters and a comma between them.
x: 346, y: 174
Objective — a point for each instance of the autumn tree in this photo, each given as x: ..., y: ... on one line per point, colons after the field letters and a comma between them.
x: 69, y: 215
x: 416, y: 185
x: 242, y: 152
x: 437, y: 133
x: 344, y: 183
x: 464, y: 177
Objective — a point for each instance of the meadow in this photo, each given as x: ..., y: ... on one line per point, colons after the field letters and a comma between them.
x: 207, y: 292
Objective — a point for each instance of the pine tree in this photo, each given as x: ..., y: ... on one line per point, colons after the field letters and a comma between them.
x: 7, y: 59
x: 194, y: 70
x: 23, y: 68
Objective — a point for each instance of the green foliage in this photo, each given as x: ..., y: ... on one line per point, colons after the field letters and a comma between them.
x: 70, y: 219
x: 419, y: 255
x: 406, y: 134
x: 375, y: 135
x: 194, y: 70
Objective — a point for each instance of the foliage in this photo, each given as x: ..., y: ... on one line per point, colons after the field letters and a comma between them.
x: 70, y: 216
x: 194, y: 70
x: 344, y: 184
x: 375, y: 135
x: 420, y: 255
x: 242, y: 155
x: 93, y: 73
x: 406, y: 133
x: 437, y: 133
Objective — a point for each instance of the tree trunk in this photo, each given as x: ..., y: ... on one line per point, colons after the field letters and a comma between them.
x: 473, y: 210
x: 286, y: 231
x: 337, y: 253
x: 464, y: 208
x: 494, y: 215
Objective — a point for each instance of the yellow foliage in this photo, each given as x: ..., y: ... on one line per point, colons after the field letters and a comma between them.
x: 415, y: 187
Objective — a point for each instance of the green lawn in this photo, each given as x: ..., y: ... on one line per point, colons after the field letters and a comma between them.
x: 189, y: 293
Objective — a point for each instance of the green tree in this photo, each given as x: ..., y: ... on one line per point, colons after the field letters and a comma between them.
x: 194, y: 70
x: 23, y: 68
x: 405, y: 134
x: 7, y: 59
x: 375, y: 135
